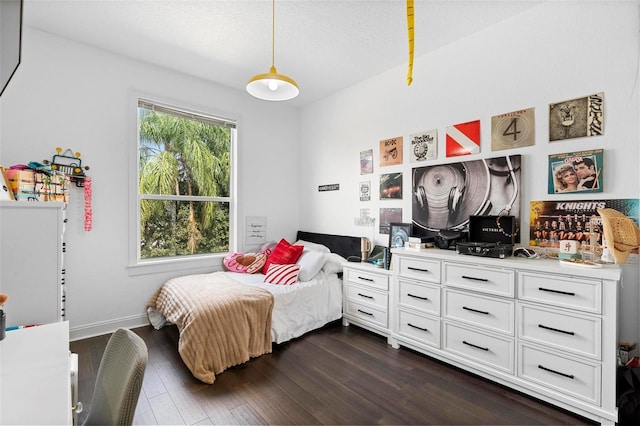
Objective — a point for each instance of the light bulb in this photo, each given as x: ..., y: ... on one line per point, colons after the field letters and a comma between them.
x: 273, y: 85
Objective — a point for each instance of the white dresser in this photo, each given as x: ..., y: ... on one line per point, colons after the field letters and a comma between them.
x: 366, y: 297
x: 542, y: 328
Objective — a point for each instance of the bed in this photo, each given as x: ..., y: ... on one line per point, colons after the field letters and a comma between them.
x: 226, y: 318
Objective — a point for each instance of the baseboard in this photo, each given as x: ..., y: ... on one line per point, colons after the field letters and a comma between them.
x: 107, y: 327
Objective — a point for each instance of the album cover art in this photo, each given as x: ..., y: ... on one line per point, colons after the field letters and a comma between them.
x: 365, y: 191
x: 513, y: 130
x: 576, y: 172
x: 387, y: 217
x: 391, y: 186
x: 577, y: 118
x: 424, y: 146
x: 391, y: 151
x: 463, y: 139
x: 366, y: 162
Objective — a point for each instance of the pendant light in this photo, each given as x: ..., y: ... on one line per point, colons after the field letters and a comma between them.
x: 272, y: 86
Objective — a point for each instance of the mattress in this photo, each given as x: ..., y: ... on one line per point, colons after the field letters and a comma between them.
x: 301, y: 307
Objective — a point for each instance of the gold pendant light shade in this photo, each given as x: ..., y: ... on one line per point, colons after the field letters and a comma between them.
x: 272, y: 86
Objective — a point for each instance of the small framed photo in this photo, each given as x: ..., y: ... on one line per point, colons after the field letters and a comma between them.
x: 399, y: 234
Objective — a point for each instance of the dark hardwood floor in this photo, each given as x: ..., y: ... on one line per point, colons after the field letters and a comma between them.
x: 336, y: 375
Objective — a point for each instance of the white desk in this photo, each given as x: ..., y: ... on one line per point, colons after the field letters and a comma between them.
x: 35, y: 381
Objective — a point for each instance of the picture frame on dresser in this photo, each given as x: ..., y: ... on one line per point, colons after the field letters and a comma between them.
x: 399, y: 234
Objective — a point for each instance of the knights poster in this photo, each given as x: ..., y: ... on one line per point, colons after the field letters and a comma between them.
x: 555, y: 221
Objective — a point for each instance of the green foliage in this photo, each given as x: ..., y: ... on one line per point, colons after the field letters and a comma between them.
x: 181, y: 156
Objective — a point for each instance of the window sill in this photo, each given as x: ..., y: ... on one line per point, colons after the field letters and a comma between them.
x: 191, y: 264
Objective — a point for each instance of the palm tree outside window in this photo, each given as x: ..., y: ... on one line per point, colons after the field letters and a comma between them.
x: 184, y: 182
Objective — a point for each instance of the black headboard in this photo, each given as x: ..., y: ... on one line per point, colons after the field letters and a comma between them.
x: 343, y: 245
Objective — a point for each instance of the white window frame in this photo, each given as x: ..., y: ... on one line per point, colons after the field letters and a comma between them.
x: 194, y: 263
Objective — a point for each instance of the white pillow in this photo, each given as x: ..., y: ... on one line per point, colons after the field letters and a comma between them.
x: 310, y: 263
x: 333, y: 263
x: 313, y: 246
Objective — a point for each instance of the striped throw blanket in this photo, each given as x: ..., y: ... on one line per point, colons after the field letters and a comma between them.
x: 221, y: 321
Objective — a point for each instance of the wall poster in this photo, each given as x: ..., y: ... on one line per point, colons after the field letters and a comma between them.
x: 387, y: 217
x: 445, y: 195
x: 576, y: 172
x: 365, y: 191
x: 366, y: 162
x: 463, y: 139
x: 391, y: 186
x: 553, y: 221
x: 513, y: 130
x: 424, y: 145
x: 391, y: 151
x: 577, y: 118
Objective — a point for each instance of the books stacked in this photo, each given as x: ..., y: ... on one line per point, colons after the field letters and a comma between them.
x: 418, y: 243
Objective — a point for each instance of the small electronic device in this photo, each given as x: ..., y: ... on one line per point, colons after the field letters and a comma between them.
x: 525, y: 252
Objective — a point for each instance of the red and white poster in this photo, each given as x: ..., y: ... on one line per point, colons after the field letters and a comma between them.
x: 463, y: 139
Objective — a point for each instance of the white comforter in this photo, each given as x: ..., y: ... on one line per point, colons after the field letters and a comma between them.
x: 301, y: 307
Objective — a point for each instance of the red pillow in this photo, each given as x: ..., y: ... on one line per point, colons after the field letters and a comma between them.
x: 283, y: 254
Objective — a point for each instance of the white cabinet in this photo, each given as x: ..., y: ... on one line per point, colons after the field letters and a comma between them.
x: 534, y: 325
x: 31, y: 261
x: 366, y: 297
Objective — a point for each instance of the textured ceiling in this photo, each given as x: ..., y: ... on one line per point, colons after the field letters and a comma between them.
x: 325, y: 45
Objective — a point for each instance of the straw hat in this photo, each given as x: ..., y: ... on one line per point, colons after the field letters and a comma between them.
x: 621, y: 234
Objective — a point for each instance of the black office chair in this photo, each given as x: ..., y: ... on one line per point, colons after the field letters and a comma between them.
x: 119, y: 380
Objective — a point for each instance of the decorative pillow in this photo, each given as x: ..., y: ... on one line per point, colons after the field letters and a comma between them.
x: 245, y: 263
x: 310, y: 264
x: 282, y: 274
x: 313, y: 246
x: 283, y: 254
x: 333, y: 263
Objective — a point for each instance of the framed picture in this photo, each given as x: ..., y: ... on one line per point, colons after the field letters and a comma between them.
x: 399, y: 234
x: 5, y: 190
x: 576, y: 171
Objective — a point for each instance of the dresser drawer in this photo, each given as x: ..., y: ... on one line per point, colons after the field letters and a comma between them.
x: 474, y: 277
x: 422, y: 328
x: 568, y: 332
x: 366, y: 296
x: 495, y: 351
x: 568, y: 376
x: 367, y: 278
x: 420, y: 269
x: 493, y: 313
x: 583, y: 294
x: 419, y: 296
x: 367, y: 313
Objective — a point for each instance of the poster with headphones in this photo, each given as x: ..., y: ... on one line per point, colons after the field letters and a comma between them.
x: 445, y: 195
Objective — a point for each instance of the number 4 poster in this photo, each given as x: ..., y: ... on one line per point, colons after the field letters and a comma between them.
x: 512, y: 130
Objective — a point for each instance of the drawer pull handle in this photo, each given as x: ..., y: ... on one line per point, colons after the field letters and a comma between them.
x: 365, y: 312
x: 556, y: 291
x: 475, y: 310
x: 365, y: 296
x: 475, y: 346
x: 475, y: 278
x: 365, y: 279
x: 416, y: 327
x: 411, y: 268
x: 556, y: 329
x: 417, y: 297
x: 570, y: 376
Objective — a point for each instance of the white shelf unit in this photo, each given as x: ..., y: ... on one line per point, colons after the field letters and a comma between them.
x: 32, y: 261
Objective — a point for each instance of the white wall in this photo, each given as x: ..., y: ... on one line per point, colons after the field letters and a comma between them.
x: 554, y: 52
x: 74, y: 96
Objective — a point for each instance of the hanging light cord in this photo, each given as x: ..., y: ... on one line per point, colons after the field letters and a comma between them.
x: 273, y: 33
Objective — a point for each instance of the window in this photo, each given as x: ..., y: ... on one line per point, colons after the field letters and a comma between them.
x: 184, y: 186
